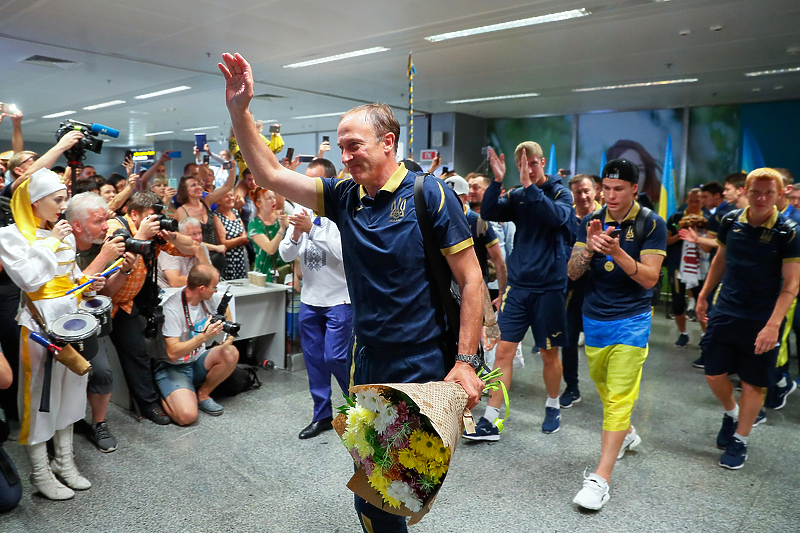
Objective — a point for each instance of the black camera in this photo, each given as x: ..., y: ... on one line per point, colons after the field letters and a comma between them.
x: 154, y: 320
x: 169, y: 224
x: 136, y: 246
x: 231, y: 328
x: 89, y: 142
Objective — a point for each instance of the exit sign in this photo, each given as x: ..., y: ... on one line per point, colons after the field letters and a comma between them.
x: 428, y: 155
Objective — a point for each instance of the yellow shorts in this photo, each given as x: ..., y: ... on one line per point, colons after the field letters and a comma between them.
x: 617, y: 371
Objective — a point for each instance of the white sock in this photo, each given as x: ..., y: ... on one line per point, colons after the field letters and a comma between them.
x: 782, y: 383
x: 737, y: 436
x: 552, y: 402
x: 492, y: 413
x: 733, y: 413
x: 682, y: 331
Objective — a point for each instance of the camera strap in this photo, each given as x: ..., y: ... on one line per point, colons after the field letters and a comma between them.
x: 189, y: 322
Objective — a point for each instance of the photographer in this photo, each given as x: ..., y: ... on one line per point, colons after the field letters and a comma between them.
x: 173, y: 270
x: 188, y: 325
x: 86, y: 214
x: 142, y: 223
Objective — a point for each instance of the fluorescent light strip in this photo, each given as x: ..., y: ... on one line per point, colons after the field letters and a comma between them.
x: 158, y: 133
x: 165, y: 91
x: 61, y: 114
x: 489, y: 98
x: 201, y: 128
x: 320, y: 116
x: 542, y: 19
x: 632, y: 85
x: 106, y: 104
x: 770, y: 72
x: 337, y: 57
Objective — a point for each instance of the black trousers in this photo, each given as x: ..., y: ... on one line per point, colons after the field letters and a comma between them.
x: 9, y: 342
x: 127, y: 335
x: 569, y: 353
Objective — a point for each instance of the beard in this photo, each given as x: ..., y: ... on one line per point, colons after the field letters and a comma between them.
x: 474, y: 205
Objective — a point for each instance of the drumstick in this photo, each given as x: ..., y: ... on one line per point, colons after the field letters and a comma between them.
x: 107, y: 272
x: 44, y: 342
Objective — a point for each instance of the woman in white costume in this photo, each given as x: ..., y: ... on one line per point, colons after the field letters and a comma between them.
x: 38, y: 252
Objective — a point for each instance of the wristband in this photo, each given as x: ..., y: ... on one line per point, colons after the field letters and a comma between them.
x: 635, y: 271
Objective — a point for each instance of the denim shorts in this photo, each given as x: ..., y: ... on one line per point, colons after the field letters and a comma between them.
x: 170, y: 378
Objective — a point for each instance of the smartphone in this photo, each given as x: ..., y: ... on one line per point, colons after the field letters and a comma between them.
x: 172, y: 182
x: 326, y: 139
x: 174, y: 155
x: 206, y: 159
x: 614, y: 233
x: 227, y: 165
x: 137, y: 167
x: 306, y: 158
x: 200, y: 141
x: 128, y: 154
x: 289, y: 153
x: 485, y: 150
x: 275, y: 128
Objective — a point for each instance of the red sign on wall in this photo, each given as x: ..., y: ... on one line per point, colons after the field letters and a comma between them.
x: 428, y: 155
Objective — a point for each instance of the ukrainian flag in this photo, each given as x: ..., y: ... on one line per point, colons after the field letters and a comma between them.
x: 552, y: 168
x: 602, y: 164
x: 751, y: 154
x: 666, y: 204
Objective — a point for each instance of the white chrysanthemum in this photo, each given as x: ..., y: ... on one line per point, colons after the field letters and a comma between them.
x: 370, y: 399
x: 387, y: 414
x: 400, y: 491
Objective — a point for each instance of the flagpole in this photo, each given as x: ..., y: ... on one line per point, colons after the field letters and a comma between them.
x: 411, y: 72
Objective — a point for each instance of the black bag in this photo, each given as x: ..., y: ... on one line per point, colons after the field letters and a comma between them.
x: 242, y: 379
x: 446, y: 287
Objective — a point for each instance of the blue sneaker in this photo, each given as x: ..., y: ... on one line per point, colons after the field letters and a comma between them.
x: 725, y: 435
x: 484, y: 430
x: 552, y: 420
x: 761, y: 418
x: 569, y: 397
x: 209, y: 406
x: 734, y: 456
x: 683, y: 340
x: 776, y: 396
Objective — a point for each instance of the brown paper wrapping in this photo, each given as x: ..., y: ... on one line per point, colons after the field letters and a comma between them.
x: 444, y: 403
x: 72, y: 359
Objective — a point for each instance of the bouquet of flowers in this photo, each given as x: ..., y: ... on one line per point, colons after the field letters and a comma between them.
x: 402, y: 437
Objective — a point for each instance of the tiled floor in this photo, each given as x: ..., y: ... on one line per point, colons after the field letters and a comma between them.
x: 247, y: 471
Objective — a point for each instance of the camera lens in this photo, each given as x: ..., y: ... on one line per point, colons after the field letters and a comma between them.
x: 169, y: 224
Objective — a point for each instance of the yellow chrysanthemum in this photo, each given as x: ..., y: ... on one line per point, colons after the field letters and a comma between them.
x: 381, y: 484
x: 416, y: 440
x: 436, y: 470
x: 359, y: 420
x: 406, y: 458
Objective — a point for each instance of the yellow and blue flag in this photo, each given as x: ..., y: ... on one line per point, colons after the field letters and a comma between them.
x: 602, y: 164
x: 751, y: 154
x: 552, y: 168
x: 666, y: 204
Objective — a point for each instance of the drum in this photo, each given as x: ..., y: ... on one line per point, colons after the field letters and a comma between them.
x: 78, y: 330
x: 100, y: 308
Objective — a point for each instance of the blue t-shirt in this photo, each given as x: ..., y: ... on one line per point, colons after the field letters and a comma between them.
x: 483, y: 236
x: 546, y: 225
x: 792, y: 213
x: 713, y: 224
x: 390, y: 288
x: 754, y: 257
x: 613, y: 295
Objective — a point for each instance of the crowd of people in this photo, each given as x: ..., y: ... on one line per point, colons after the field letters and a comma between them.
x: 577, y: 261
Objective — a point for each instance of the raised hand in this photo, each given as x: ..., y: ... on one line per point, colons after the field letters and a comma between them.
x: 238, y: 82
x: 524, y: 170
x: 498, y: 164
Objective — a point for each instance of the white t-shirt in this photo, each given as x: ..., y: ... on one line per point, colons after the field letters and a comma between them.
x: 176, y: 262
x: 175, y: 322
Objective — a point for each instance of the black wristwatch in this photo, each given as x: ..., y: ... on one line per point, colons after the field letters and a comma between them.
x: 472, y: 360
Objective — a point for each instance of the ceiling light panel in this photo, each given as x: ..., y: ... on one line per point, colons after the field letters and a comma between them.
x: 161, y: 93
x: 633, y: 85
x: 105, y: 104
x: 158, y: 133
x: 542, y: 19
x: 490, y: 98
x: 60, y: 114
x: 338, y: 113
x: 771, y: 72
x: 337, y: 57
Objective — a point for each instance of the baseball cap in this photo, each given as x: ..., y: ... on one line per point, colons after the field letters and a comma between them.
x: 458, y: 184
x: 621, y: 169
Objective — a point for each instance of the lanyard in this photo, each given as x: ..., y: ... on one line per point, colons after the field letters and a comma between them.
x: 186, y: 311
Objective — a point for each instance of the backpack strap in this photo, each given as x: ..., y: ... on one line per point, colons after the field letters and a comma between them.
x: 442, y: 275
x: 638, y: 225
x: 728, y: 220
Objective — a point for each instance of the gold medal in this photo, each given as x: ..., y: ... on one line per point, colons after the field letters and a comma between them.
x: 609, y: 266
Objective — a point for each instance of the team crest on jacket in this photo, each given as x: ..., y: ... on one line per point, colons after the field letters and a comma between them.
x: 629, y: 234
x: 398, y: 210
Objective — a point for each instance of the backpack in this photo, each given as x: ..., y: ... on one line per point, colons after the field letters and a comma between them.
x: 638, y: 223
x: 242, y: 379
x: 785, y: 229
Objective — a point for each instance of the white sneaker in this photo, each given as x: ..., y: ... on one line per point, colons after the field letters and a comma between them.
x: 581, y: 339
x: 594, y: 493
x: 632, y: 440
x: 519, y: 361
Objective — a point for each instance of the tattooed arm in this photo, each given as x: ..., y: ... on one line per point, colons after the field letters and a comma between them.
x: 579, y: 262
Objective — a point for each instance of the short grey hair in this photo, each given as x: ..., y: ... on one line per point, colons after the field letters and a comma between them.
x: 81, y: 204
x: 186, y: 222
